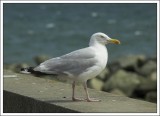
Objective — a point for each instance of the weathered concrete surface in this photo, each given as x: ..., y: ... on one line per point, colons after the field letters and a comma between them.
x: 26, y: 93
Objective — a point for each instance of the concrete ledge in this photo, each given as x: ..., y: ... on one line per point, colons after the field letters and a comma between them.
x: 29, y: 94
x: 15, y: 103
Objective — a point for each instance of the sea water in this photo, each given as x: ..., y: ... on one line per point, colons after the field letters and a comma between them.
x: 55, y: 29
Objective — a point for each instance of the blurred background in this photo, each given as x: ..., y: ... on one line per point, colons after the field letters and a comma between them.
x: 36, y: 32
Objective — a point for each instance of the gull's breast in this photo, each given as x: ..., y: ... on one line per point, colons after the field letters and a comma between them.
x: 101, y: 58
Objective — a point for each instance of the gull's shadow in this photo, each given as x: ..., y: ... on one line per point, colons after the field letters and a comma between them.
x: 59, y: 101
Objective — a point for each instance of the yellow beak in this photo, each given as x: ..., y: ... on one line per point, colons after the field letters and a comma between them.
x: 115, y: 41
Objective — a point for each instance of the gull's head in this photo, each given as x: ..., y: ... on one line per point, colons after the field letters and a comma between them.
x: 102, y: 39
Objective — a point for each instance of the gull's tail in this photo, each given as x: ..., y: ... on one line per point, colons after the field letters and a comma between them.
x: 28, y: 70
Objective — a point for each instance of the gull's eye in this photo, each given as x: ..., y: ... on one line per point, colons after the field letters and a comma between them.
x: 102, y: 36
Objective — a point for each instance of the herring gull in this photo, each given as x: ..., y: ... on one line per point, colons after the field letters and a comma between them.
x: 79, y: 65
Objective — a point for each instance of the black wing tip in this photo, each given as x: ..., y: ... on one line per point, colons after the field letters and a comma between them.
x: 30, y: 70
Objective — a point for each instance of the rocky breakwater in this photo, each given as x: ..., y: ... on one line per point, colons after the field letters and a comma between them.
x: 134, y: 76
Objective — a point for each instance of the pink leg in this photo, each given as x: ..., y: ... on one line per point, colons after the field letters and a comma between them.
x: 88, y: 98
x: 73, y: 93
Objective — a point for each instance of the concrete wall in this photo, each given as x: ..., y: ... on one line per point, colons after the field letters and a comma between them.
x: 29, y: 94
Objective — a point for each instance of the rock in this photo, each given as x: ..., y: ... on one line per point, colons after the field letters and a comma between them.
x: 9, y: 66
x: 41, y: 58
x: 113, y: 67
x: 117, y: 92
x: 148, y: 68
x: 16, y: 67
x: 153, y: 76
x: 153, y: 58
x: 104, y: 74
x: 151, y: 96
x: 131, y: 61
x: 12, y: 67
x: 95, y: 84
x: 127, y: 82
x: 147, y: 85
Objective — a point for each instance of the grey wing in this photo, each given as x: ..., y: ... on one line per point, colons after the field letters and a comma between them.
x: 73, y: 63
x: 84, y: 53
